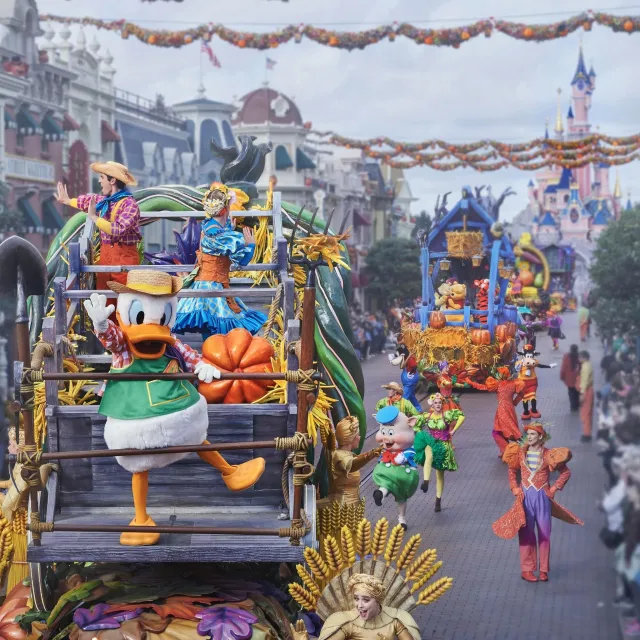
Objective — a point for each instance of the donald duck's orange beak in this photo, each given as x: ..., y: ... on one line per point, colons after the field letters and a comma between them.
x: 147, y: 341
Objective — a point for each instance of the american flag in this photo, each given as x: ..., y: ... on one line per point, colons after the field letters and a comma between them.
x: 271, y: 64
x: 205, y: 48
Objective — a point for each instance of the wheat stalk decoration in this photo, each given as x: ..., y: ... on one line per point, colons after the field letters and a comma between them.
x: 317, y: 565
x: 426, y: 577
x: 435, y: 591
x: 348, y: 548
x: 421, y: 565
x: 394, y: 544
x: 303, y: 597
x: 409, y: 552
x: 307, y: 580
x: 379, y: 537
x: 332, y: 554
x: 363, y: 539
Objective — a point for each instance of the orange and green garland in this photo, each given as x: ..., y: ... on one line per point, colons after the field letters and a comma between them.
x: 350, y: 40
x: 527, y: 156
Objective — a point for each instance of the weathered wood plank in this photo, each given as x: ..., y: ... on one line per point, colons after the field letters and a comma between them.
x: 105, y: 547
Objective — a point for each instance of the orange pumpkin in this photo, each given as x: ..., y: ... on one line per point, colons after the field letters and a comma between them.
x: 526, y: 277
x: 501, y: 333
x: 628, y: 26
x: 512, y: 329
x: 480, y: 336
x: 437, y: 320
x: 508, y: 350
x: 528, y: 32
x: 239, y: 352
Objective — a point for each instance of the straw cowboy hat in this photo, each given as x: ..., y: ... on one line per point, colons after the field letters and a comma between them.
x: 153, y: 283
x: 393, y: 386
x: 115, y: 170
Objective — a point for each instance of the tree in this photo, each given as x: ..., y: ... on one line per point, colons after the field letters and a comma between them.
x: 422, y: 223
x: 393, y: 269
x: 615, y: 271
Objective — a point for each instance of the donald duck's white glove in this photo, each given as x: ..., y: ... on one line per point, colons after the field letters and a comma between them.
x: 206, y: 372
x: 98, y: 311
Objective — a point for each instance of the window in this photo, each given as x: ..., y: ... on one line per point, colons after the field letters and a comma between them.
x: 19, y: 139
x: 44, y: 144
x: 566, y: 198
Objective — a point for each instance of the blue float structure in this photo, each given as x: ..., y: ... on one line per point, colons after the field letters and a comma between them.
x: 492, y: 249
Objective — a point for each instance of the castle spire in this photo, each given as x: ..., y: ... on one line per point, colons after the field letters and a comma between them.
x: 581, y: 69
x: 617, y: 190
x: 559, y: 128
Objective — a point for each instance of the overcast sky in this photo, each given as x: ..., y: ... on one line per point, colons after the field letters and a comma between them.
x: 498, y: 87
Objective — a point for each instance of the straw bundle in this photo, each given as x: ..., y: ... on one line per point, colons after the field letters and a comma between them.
x: 464, y: 244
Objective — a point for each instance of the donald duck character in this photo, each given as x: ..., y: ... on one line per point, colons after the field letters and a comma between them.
x: 148, y: 414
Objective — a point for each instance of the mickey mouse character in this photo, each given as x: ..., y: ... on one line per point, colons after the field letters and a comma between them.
x: 527, y: 372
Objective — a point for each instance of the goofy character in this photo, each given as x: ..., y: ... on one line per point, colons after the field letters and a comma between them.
x: 409, y: 376
x: 527, y: 372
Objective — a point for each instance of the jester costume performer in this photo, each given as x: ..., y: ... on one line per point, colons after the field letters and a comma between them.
x: 409, y: 376
x: 535, y: 503
x: 433, y: 444
x: 395, y: 398
x: 527, y: 373
x: 445, y: 378
x: 505, y: 422
x: 220, y: 247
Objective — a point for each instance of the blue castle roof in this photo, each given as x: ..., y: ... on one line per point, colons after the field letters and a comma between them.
x: 548, y: 220
x: 603, y: 216
x: 565, y: 179
x: 531, y: 183
x: 570, y: 112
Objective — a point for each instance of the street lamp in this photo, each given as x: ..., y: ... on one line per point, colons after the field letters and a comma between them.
x: 445, y: 264
x: 476, y: 260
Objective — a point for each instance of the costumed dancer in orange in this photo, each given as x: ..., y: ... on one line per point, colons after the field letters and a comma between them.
x: 447, y: 376
x: 505, y: 422
x: 535, y: 503
x: 527, y: 373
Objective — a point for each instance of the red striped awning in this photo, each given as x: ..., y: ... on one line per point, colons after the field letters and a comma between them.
x: 108, y: 133
x: 69, y: 124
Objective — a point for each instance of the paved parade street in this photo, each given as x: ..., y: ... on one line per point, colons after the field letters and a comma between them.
x: 489, y: 600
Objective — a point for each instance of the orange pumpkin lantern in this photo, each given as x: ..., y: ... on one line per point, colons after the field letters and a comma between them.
x: 240, y: 352
x: 465, y: 35
x: 152, y: 39
x: 333, y: 41
x: 242, y: 43
x: 437, y: 320
x: 628, y: 26
x: 528, y: 32
x: 428, y: 40
x: 501, y: 333
x: 480, y: 337
x: 512, y: 328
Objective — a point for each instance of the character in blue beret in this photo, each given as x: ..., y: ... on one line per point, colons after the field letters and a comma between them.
x: 396, y: 472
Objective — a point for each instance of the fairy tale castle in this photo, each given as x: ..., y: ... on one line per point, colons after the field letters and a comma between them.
x: 572, y: 205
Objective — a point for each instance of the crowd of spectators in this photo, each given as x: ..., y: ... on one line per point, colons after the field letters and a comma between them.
x: 618, y: 411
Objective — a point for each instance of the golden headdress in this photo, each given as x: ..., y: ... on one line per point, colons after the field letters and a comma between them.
x: 346, y: 430
x: 366, y: 584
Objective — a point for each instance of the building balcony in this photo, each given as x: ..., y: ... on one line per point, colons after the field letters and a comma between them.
x: 139, y: 106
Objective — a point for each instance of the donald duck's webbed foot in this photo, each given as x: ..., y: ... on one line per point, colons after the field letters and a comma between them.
x: 131, y: 539
x: 237, y: 477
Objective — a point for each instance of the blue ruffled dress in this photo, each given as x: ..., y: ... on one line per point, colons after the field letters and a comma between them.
x: 219, y: 248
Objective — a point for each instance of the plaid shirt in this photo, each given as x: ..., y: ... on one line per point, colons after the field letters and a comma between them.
x: 125, y: 225
x: 113, y: 340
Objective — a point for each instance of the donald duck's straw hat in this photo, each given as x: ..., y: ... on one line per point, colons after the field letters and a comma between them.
x: 153, y: 283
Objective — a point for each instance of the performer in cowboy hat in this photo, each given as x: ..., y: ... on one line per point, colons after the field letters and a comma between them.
x: 115, y: 213
x: 395, y: 399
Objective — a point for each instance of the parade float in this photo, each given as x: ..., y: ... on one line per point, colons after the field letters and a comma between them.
x: 561, y: 259
x: 73, y: 564
x: 530, y: 283
x: 465, y: 320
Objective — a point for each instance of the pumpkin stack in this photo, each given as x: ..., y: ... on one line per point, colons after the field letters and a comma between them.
x: 237, y: 352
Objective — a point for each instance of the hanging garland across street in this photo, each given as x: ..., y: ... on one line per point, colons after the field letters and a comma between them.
x: 349, y: 40
x: 490, y: 155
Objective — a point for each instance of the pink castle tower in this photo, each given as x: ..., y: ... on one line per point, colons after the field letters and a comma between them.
x: 582, y: 85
